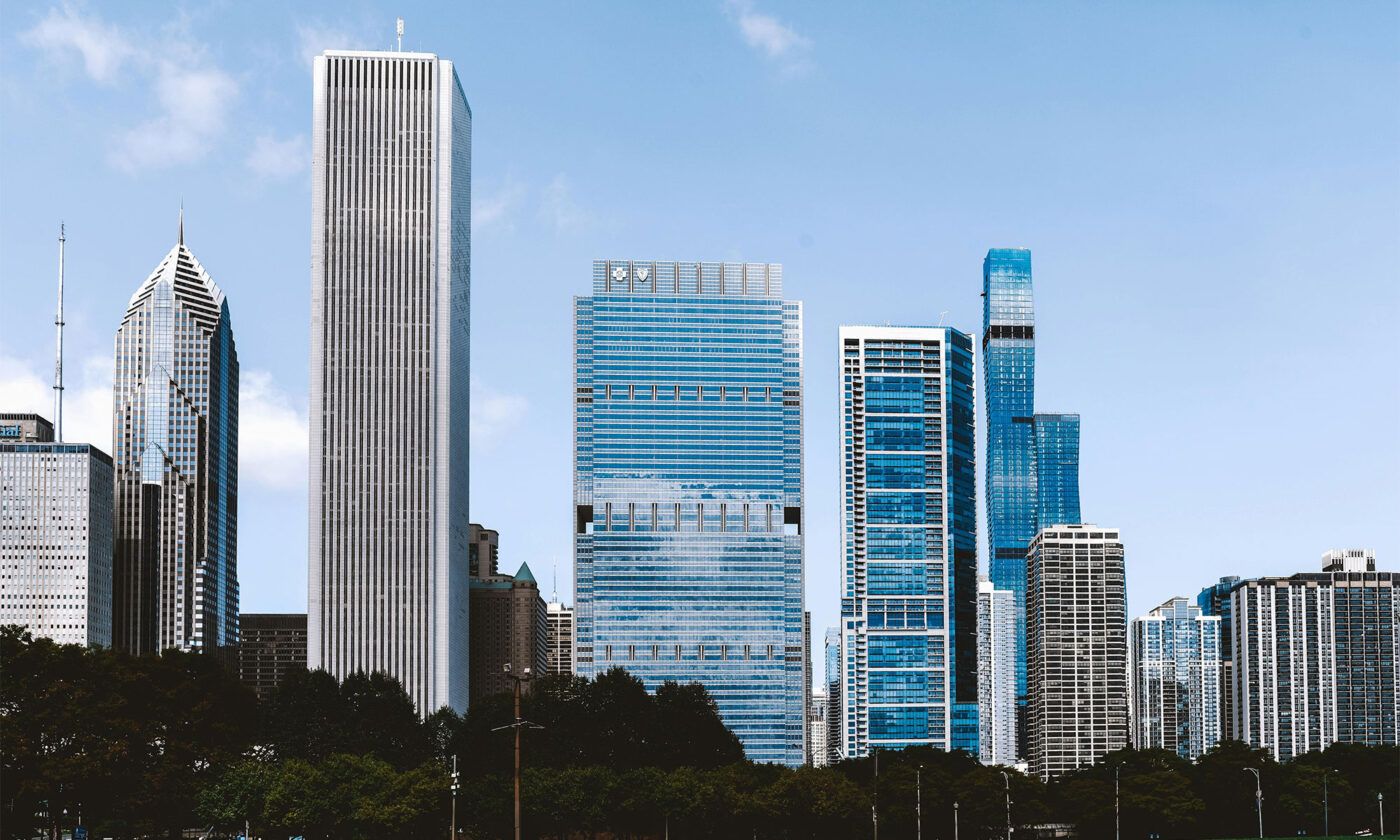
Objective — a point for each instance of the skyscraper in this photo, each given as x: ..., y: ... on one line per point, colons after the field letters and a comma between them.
x: 688, y: 488
x: 909, y: 526
x: 996, y: 673
x: 1056, y: 469
x: 55, y: 534
x: 834, y: 727
x: 1077, y: 648
x: 390, y: 277
x: 1008, y: 374
x: 270, y: 646
x: 559, y: 640
x: 175, y: 445
x: 1176, y: 679
x: 1215, y: 600
x: 509, y: 626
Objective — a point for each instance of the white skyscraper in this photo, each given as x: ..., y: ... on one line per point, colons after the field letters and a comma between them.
x: 996, y: 673
x: 390, y: 274
x: 1176, y: 679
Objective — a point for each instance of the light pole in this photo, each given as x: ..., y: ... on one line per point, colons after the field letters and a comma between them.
x: 875, y: 806
x: 1380, y: 809
x: 1258, y: 799
x: 919, y: 802
x: 454, y: 798
x: 955, y: 821
x: 519, y: 724
x: 1115, y: 803
x: 1007, y: 779
x: 1326, y: 832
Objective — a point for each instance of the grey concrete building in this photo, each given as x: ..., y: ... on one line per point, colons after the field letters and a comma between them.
x: 270, y: 646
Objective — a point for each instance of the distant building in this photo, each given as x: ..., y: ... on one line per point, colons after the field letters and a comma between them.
x: 1215, y: 600
x: 834, y: 728
x: 1315, y: 658
x: 56, y: 534
x: 816, y: 730
x: 1077, y: 648
x: 559, y: 652
x: 1349, y: 560
x: 509, y: 625
x: 270, y: 646
x: 483, y: 551
x: 996, y: 673
x: 1056, y: 468
x: 1176, y: 679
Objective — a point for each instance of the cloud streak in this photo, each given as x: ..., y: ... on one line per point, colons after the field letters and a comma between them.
x: 278, y: 160
x: 778, y: 42
x: 494, y: 415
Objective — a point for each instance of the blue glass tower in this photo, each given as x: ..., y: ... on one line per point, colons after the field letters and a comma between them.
x: 688, y: 488
x: 1057, y: 469
x: 1008, y: 370
x: 909, y: 532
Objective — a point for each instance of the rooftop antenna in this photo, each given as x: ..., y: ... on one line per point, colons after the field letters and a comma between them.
x: 58, y: 363
x: 400, y: 28
x: 554, y: 596
x: 182, y: 221
x: 941, y: 316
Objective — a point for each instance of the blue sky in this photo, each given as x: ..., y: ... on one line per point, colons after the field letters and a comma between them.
x: 1211, y: 192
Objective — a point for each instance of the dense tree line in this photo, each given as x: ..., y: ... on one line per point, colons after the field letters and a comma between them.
x: 149, y: 746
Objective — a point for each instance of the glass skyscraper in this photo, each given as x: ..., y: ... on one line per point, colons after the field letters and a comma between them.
x: 1056, y: 469
x: 688, y: 489
x: 1215, y: 600
x: 909, y: 531
x: 1176, y: 662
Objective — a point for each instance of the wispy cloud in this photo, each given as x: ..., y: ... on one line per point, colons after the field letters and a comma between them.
x: 315, y: 38
x: 272, y: 433
x: 494, y: 415
x: 779, y: 43
x: 275, y: 159
x: 559, y: 210
x: 27, y: 386
x: 191, y: 94
x: 498, y: 207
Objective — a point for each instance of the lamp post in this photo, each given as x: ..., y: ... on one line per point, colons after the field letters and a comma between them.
x: 454, y: 798
x: 875, y: 805
x: 519, y: 724
x: 1007, y: 779
x: 1116, y: 823
x: 1380, y: 809
x: 1326, y: 831
x: 955, y: 821
x: 1258, y: 798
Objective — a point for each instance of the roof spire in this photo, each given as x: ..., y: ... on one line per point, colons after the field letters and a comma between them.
x: 182, y: 220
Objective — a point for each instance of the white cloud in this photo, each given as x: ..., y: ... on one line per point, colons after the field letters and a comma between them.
x: 103, y: 48
x: 499, y: 207
x: 777, y: 41
x: 27, y: 386
x: 278, y: 159
x: 494, y: 415
x: 272, y: 434
x: 314, y: 39
x: 558, y: 208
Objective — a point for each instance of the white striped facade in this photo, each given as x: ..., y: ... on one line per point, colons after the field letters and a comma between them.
x: 390, y: 278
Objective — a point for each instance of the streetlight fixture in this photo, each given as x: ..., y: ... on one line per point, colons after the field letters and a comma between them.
x: 1007, y: 779
x: 520, y: 723
x: 919, y: 802
x: 955, y: 821
x: 1116, y: 835
x: 1326, y: 831
x: 1258, y: 799
x: 1380, y: 809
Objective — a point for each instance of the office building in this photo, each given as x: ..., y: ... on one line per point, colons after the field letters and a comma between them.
x: 1176, y: 679
x: 270, y: 646
x: 1056, y: 469
x: 1215, y: 600
x: 996, y: 673
x: 1349, y: 560
x: 688, y: 488
x: 175, y: 454
x: 834, y: 729
x: 817, y: 755
x: 1315, y: 659
x: 1077, y: 648
x: 909, y: 554
x: 559, y: 639
x: 56, y: 534
x: 509, y: 623
x: 390, y: 275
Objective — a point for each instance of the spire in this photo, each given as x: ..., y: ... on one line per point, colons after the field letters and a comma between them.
x: 525, y: 573
x: 182, y: 221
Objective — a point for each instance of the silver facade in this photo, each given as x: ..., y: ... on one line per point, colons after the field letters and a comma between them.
x: 56, y: 541
x: 1176, y: 679
x: 390, y: 279
x: 996, y: 673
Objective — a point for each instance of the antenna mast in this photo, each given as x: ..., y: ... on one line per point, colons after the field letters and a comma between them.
x: 400, y: 28
x: 58, y: 363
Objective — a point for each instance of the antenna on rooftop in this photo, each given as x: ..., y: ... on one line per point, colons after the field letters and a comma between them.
x: 400, y: 28
x: 58, y: 363
x: 941, y: 316
x: 554, y: 596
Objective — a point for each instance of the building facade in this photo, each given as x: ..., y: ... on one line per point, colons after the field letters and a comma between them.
x: 832, y: 687
x: 175, y: 455
x: 1215, y: 600
x: 1077, y: 648
x: 509, y: 626
x: 996, y: 673
x: 388, y: 552
x: 688, y: 488
x: 1315, y: 660
x: 909, y: 553
x: 56, y: 534
x: 1056, y: 469
x: 270, y: 646
x: 1176, y: 679
x: 816, y: 730
x: 559, y: 639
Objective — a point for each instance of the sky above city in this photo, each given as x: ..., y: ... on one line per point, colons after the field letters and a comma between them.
x: 1211, y: 192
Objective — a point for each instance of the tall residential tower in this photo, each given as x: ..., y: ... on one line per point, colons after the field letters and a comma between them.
x: 1176, y: 679
x: 909, y: 553
x: 390, y: 273
x: 688, y: 488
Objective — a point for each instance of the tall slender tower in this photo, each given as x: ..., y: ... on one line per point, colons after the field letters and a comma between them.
x: 175, y: 445
x: 688, y: 488
x: 390, y: 276
x: 909, y: 545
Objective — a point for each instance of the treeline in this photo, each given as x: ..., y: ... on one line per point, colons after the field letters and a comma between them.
x: 149, y: 746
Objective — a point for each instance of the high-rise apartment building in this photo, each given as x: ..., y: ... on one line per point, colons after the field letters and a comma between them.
x: 55, y: 534
x: 1176, y: 679
x: 1315, y: 659
x: 688, y: 488
x: 1215, y: 600
x: 559, y: 639
x: 1349, y: 560
x: 996, y: 673
x: 390, y: 276
x: 909, y: 553
x: 175, y: 445
x: 509, y: 626
x: 817, y: 755
x: 1077, y: 648
x: 834, y: 730
x: 270, y: 646
x: 1056, y: 469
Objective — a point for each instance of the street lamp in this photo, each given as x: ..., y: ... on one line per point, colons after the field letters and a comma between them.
x: 1007, y: 779
x: 1326, y: 832
x: 1380, y: 809
x: 919, y: 802
x: 1258, y: 799
x: 519, y: 724
x: 955, y: 821
x: 1116, y: 768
